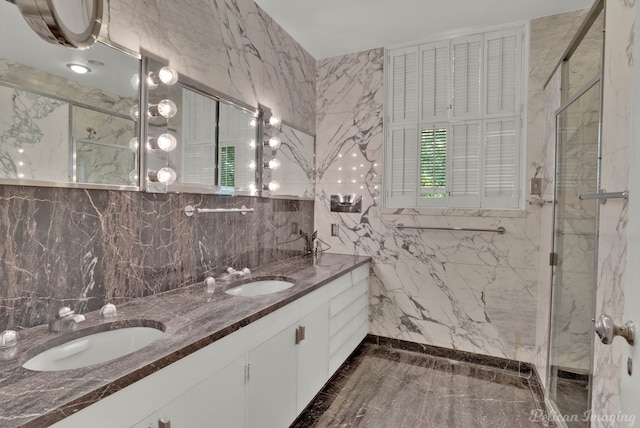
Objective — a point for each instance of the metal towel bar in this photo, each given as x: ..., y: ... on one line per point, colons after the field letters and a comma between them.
x: 499, y: 230
x: 603, y: 195
x: 190, y: 210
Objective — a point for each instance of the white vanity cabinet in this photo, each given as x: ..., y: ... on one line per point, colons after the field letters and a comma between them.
x: 262, y: 375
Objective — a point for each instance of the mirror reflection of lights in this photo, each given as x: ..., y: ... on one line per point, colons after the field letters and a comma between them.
x: 20, y: 175
x: 134, y: 112
x: 252, y: 144
x: 79, y: 68
x: 252, y: 165
x: 253, y: 123
x: 20, y: 151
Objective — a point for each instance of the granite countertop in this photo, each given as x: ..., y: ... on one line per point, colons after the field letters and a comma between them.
x: 192, y: 319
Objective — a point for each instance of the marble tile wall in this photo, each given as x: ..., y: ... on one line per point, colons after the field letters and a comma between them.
x: 470, y: 291
x: 82, y: 248
x: 613, y: 220
x: 230, y: 45
x: 85, y: 247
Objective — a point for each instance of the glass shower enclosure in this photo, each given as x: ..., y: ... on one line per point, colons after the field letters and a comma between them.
x: 574, y: 260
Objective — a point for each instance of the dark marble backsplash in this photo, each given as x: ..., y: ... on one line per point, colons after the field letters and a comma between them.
x: 83, y: 248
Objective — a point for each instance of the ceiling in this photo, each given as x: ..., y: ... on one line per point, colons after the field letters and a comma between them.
x: 330, y: 28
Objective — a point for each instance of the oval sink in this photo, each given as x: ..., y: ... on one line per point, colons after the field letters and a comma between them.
x: 94, y: 348
x: 258, y: 288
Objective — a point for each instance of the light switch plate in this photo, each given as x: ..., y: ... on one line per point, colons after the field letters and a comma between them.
x: 536, y: 186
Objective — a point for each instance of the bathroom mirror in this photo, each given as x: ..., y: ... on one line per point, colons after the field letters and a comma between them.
x: 72, y: 23
x: 215, y: 150
x: 58, y: 126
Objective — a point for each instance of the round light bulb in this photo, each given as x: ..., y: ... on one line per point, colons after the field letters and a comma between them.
x: 167, y: 109
x: 274, y: 163
x: 253, y: 123
x: 252, y: 144
x: 252, y: 186
x: 274, y: 120
x: 134, y: 144
x: 168, y: 75
x: 274, y: 186
x: 251, y: 165
x: 274, y: 142
x: 166, y: 176
x: 167, y: 142
x: 134, y: 112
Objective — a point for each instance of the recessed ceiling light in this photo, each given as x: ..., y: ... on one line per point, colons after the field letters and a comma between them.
x: 79, y: 68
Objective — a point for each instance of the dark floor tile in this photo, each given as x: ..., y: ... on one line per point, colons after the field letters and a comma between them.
x: 383, y: 387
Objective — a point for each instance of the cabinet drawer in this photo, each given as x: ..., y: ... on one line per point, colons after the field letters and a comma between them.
x: 360, y: 273
x: 338, y: 286
x: 342, y: 352
x: 342, y: 336
x: 348, y: 296
x: 339, y: 320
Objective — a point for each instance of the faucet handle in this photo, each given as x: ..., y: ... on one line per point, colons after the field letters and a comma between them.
x: 9, y: 339
x: 108, y: 311
x: 64, y: 311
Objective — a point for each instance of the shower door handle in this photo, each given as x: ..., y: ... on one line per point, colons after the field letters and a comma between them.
x: 606, y: 330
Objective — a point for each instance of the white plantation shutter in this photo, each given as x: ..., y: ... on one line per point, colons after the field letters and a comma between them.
x: 502, y: 166
x: 466, y: 70
x: 401, y: 167
x: 404, y: 85
x: 453, y: 114
x: 464, y: 166
x: 503, y: 71
x: 434, y: 100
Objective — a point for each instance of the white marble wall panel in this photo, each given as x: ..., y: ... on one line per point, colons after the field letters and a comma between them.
x: 230, y: 45
x: 612, y: 245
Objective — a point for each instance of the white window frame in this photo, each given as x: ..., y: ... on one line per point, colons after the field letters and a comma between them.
x: 417, y: 120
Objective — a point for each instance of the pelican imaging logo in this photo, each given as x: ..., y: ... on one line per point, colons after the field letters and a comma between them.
x: 621, y: 420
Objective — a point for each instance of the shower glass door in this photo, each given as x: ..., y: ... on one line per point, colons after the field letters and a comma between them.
x: 575, y: 230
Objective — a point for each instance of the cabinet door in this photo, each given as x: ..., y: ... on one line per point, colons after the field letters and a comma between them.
x: 272, y: 381
x: 313, y: 356
x: 217, y: 402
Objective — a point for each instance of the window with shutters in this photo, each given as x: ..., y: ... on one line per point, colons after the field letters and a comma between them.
x: 453, y: 117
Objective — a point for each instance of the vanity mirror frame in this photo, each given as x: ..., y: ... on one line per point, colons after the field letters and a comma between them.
x: 149, y: 64
x: 73, y: 104
x: 150, y: 162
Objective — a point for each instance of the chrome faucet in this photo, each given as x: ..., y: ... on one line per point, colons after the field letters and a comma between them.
x: 308, y: 240
x: 231, y: 273
x: 66, y: 320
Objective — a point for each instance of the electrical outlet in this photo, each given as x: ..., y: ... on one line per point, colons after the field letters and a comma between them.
x: 335, y: 229
x: 294, y: 228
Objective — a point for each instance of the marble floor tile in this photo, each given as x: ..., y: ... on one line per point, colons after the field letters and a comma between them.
x: 382, y: 387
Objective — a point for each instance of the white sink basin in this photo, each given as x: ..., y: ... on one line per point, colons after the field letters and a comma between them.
x: 258, y: 288
x: 94, y: 348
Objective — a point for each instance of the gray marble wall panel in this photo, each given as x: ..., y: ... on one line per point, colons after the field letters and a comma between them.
x: 82, y: 248
x: 230, y: 45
